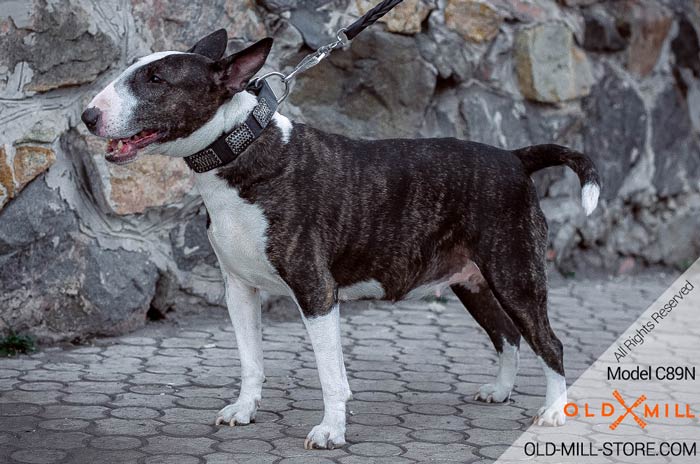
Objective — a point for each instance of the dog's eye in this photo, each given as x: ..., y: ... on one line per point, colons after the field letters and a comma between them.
x: 156, y: 79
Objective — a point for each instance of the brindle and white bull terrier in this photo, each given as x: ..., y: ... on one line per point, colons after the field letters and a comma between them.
x: 324, y: 218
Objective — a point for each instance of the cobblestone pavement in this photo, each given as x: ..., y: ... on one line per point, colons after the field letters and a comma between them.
x: 152, y: 396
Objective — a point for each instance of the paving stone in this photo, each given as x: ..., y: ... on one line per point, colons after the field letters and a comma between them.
x: 64, y: 424
x: 436, y: 452
x: 40, y: 386
x: 20, y: 396
x: 160, y: 401
x: 192, y: 446
x: 19, y: 423
x: 134, y: 413
x: 38, y: 456
x: 87, y: 398
x: 375, y: 449
x: 306, y: 460
x: 115, y: 443
x: 437, y: 436
x: 138, y: 428
x: 226, y: 458
x: 53, y: 440
x: 18, y: 409
x: 90, y: 455
x: 375, y: 419
x: 171, y: 459
x: 187, y: 430
x: 153, y: 396
x: 59, y: 411
x: 244, y: 446
x: 8, y: 373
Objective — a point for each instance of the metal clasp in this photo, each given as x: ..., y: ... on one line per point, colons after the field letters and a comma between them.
x: 315, y: 58
x: 308, y: 62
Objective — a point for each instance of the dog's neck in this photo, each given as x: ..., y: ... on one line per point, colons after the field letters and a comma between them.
x: 229, y: 115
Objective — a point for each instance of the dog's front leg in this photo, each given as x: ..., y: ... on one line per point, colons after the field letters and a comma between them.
x: 324, y: 332
x: 243, y: 304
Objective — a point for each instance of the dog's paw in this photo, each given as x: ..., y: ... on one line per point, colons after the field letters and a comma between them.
x: 238, y: 413
x: 552, y: 416
x: 325, y: 436
x: 493, y: 393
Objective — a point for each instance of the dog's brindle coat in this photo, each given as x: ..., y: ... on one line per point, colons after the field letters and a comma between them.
x: 323, y: 218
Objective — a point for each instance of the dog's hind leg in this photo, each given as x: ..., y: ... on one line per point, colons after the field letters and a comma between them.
x: 244, y: 308
x: 487, y: 311
x: 516, y: 274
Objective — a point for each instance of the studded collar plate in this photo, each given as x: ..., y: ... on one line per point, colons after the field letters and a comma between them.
x: 231, y: 144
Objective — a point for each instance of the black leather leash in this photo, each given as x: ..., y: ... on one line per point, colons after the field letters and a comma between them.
x: 370, y: 18
x: 231, y: 144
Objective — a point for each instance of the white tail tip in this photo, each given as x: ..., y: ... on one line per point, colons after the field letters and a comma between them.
x: 589, y: 197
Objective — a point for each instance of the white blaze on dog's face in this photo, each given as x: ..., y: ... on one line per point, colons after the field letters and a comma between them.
x: 166, y: 97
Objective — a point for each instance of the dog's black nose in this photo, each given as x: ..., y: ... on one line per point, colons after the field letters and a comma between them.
x: 91, y: 117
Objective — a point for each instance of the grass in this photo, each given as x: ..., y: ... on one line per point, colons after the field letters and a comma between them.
x: 685, y: 265
x: 435, y: 299
x: 13, y: 344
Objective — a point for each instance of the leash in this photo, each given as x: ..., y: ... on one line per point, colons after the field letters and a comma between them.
x: 343, y: 38
x: 229, y: 146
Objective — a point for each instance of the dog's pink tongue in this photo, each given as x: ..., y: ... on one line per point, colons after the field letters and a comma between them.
x: 127, y: 149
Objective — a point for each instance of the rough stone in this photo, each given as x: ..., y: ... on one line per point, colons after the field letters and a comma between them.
x: 56, y: 47
x: 191, y: 246
x: 380, y: 87
x: 162, y: 22
x: 550, y: 68
x: 578, y: 2
x: 406, y: 18
x: 615, y: 131
x: 150, y: 182
x: 525, y: 11
x: 603, y: 32
x: 456, y: 68
x: 60, y: 283
x: 475, y: 20
x: 648, y: 24
x: 7, y: 182
x: 30, y: 161
x: 494, y: 119
x: 677, y: 152
x: 686, y: 47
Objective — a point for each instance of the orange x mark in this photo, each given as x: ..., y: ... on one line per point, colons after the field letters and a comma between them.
x: 628, y: 410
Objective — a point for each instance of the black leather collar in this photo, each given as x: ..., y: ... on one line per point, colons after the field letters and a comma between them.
x: 231, y: 144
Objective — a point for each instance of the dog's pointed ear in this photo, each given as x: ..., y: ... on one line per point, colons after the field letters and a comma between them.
x: 212, y: 46
x: 237, y: 70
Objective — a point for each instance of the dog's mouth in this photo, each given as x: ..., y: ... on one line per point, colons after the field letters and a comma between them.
x: 123, y: 151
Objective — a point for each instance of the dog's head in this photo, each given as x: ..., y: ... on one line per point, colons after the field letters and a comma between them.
x: 166, y: 97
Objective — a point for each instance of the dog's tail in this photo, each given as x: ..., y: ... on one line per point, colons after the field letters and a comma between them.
x: 539, y: 157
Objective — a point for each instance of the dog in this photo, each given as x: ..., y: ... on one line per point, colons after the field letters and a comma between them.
x: 324, y: 219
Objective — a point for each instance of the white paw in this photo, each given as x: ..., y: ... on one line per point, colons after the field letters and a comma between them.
x: 493, y: 393
x: 238, y: 413
x: 552, y: 416
x: 325, y: 436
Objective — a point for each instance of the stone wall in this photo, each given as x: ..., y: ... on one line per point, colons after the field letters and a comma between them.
x: 91, y: 248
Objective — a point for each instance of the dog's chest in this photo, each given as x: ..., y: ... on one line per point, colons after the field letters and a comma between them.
x: 238, y: 235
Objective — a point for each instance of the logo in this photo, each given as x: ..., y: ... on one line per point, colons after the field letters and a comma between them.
x: 628, y: 410
x: 640, y: 410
